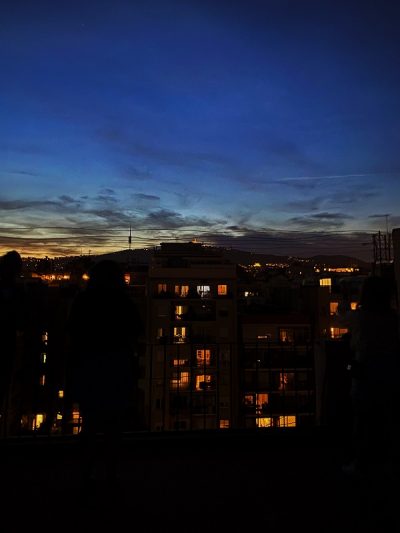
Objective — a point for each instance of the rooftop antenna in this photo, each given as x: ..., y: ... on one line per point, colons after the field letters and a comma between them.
x: 130, y: 245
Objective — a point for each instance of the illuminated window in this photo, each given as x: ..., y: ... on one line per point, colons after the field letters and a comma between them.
x: 261, y: 401
x: 181, y: 290
x: 353, y: 305
x: 127, y: 278
x: 333, y: 307
x: 264, y: 337
x: 224, y: 423
x: 61, y: 394
x: 222, y: 290
x: 336, y: 333
x: 203, y: 290
x: 160, y: 333
x: 203, y: 357
x: 59, y: 416
x: 161, y: 288
x: 45, y: 337
x: 287, y: 421
x: 180, y: 334
x: 76, y: 420
x: 85, y: 277
x: 42, y: 379
x: 286, y: 380
x: 264, y: 422
x: 326, y: 282
x: 180, y: 311
x: 43, y: 357
x: 38, y: 421
x: 180, y: 362
x: 286, y: 334
x: 204, y: 382
x: 258, y: 401
x: 180, y: 380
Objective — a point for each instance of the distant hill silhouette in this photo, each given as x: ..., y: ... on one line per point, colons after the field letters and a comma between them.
x: 143, y: 256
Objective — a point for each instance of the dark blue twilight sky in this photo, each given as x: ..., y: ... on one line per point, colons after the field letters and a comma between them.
x: 267, y: 125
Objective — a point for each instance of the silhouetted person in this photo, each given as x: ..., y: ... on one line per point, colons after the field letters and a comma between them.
x: 11, y: 312
x: 375, y: 377
x: 104, y: 328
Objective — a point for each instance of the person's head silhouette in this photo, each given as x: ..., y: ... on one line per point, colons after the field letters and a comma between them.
x: 10, y: 266
x: 106, y: 274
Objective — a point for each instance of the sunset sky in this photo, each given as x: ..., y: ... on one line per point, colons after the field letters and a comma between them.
x: 263, y: 125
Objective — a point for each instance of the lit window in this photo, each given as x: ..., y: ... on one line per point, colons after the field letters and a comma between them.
x: 264, y: 422
x: 353, y: 305
x: 45, y: 337
x: 203, y: 357
x: 59, y: 416
x: 180, y: 380
x: 179, y: 362
x: 180, y: 311
x: 180, y: 334
x: 85, y: 277
x: 160, y: 333
x: 161, y: 288
x: 224, y: 423
x: 336, y: 333
x: 76, y: 420
x: 261, y: 401
x: 325, y: 282
x: 181, y: 290
x: 333, y: 307
x: 287, y: 421
x: 204, y: 290
x: 222, y: 290
x: 286, y: 380
x: 203, y: 382
x: 127, y: 278
x: 61, y: 394
x: 42, y: 379
x: 43, y: 357
x: 38, y: 421
x: 286, y: 334
x: 249, y: 400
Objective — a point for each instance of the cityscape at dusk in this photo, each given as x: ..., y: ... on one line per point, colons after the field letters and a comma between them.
x: 200, y: 265
x: 269, y: 126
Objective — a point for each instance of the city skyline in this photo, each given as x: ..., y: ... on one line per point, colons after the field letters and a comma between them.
x: 267, y: 126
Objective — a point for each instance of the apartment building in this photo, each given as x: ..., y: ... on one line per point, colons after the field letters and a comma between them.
x: 277, y: 371
x: 192, y: 339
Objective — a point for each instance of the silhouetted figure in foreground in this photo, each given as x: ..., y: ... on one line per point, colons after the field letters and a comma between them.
x: 375, y: 378
x: 11, y: 312
x: 103, y: 328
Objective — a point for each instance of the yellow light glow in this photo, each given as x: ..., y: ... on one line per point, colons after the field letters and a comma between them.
x: 61, y: 394
x: 85, y: 277
x: 222, y: 290
x: 333, y: 307
x: 38, y: 421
